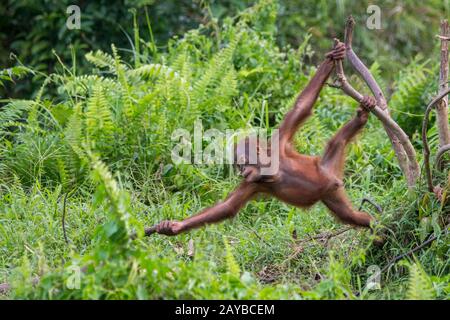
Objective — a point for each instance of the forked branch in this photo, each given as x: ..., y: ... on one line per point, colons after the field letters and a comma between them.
x: 403, y: 148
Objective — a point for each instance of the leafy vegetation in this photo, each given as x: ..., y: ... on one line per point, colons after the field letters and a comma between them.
x: 93, y: 147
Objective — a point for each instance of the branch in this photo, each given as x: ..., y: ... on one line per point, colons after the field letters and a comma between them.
x: 410, y: 252
x: 377, y: 111
x: 326, y: 236
x: 359, y: 65
x: 403, y: 148
x: 441, y: 108
x: 63, y: 219
x: 395, y: 133
x: 426, y: 147
x: 373, y: 203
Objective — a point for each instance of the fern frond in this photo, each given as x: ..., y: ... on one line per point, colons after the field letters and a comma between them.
x: 420, y: 286
x: 217, y: 66
x: 101, y: 60
x: 82, y: 85
x: 99, y: 120
x: 232, y: 265
x: 13, y: 111
x: 118, y: 226
x: 122, y: 78
x: 153, y: 70
x: 410, y: 85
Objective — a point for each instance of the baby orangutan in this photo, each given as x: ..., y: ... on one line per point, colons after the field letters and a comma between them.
x: 301, y: 180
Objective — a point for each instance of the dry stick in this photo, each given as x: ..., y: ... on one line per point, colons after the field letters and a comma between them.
x: 63, y: 220
x: 441, y: 107
x: 326, y: 235
x: 322, y: 236
x: 410, y: 252
x: 403, y: 148
x: 426, y: 147
x: 376, y: 205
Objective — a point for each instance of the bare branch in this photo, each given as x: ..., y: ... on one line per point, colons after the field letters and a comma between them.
x: 426, y: 147
x: 417, y: 248
x: 403, y: 148
x: 63, y: 219
x: 360, y: 67
x: 441, y: 107
x: 373, y: 203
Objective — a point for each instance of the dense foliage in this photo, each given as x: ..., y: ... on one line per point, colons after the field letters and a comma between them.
x: 93, y: 148
x: 34, y: 30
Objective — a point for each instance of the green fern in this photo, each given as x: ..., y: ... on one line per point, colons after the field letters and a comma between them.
x: 101, y: 60
x: 72, y: 153
x: 420, y: 286
x: 232, y: 265
x: 99, y: 120
x: 153, y: 70
x: 410, y: 93
x: 217, y: 66
x: 120, y: 72
x: 118, y: 226
x: 82, y: 85
x: 13, y: 111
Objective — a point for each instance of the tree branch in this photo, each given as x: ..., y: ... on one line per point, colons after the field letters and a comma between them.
x: 441, y: 107
x: 426, y: 147
x: 403, y: 148
x: 410, y: 252
x: 359, y: 65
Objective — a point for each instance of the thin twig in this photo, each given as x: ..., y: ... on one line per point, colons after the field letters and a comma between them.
x: 64, y: 217
x: 326, y: 235
x: 410, y: 252
x: 148, y: 231
x: 373, y: 203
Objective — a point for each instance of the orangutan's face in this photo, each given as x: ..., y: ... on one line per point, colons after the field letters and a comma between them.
x: 250, y: 170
